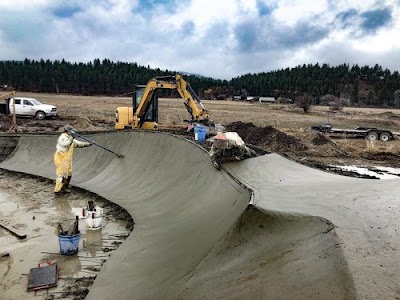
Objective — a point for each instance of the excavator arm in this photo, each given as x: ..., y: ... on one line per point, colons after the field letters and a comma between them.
x: 7, y: 95
x: 190, y: 100
x: 12, y: 94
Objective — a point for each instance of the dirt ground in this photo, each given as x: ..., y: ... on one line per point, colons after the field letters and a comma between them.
x: 284, y: 129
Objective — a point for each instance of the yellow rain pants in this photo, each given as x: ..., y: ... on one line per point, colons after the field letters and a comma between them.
x: 63, y: 162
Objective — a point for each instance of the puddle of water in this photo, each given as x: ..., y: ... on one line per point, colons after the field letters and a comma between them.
x: 7, y: 207
x: 379, y: 172
x: 38, y: 214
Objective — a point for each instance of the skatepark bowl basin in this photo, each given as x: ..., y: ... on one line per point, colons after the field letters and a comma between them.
x: 307, y: 234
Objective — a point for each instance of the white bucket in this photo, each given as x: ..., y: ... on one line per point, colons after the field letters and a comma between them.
x: 93, y: 218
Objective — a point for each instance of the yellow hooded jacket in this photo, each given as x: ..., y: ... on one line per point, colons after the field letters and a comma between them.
x: 63, y: 157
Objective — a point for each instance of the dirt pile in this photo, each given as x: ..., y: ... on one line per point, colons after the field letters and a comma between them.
x: 31, y: 125
x: 85, y: 124
x: 386, y: 115
x: 321, y: 139
x: 380, y: 156
x: 267, y: 137
x: 5, y: 123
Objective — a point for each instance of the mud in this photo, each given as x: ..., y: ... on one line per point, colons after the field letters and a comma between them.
x: 30, y: 125
x: 28, y: 204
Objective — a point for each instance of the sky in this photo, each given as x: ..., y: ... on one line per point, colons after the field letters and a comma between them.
x: 222, y: 39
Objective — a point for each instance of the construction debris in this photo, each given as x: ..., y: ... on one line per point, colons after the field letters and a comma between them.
x: 43, y: 277
x: 14, y: 231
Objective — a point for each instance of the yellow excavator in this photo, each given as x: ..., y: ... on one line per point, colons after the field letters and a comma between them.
x: 144, y: 112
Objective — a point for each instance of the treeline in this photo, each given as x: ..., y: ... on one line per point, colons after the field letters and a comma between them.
x: 354, y: 85
x: 93, y: 78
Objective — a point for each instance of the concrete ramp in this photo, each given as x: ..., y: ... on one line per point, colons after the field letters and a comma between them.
x: 365, y: 214
x: 180, y: 203
x: 268, y: 255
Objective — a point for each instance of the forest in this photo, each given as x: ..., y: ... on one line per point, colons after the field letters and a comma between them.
x: 353, y: 85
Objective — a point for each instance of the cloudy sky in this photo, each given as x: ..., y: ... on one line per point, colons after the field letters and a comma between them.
x: 216, y: 38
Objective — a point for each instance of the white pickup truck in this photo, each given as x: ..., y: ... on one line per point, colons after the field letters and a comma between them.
x: 28, y: 107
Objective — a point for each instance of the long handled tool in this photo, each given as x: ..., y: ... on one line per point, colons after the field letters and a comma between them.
x: 94, y: 143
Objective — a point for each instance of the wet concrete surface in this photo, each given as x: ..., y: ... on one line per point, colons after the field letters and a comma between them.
x: 180, y: 203
x: 308, y: 234
x: 364, y: 212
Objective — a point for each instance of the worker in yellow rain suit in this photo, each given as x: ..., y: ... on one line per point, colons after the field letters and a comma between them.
x: 63, y: 159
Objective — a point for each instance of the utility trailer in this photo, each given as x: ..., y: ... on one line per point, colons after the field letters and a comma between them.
x: 369, y: 133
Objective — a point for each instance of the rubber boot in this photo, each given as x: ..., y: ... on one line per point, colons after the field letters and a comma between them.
x: 66, y: 187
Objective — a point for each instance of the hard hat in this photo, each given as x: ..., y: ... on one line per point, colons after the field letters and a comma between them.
x: 68, y: 128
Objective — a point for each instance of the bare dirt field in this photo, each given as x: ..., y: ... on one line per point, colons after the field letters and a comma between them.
x: 284, y: 129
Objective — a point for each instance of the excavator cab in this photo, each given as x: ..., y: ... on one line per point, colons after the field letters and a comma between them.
x: 151, y: 116
x: 124, y: 115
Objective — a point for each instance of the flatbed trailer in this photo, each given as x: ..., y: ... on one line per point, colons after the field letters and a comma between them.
x: 369, y: 133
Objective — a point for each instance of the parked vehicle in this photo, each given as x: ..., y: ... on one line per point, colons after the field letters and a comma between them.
x: 28, y: 107
x: 370, y: 133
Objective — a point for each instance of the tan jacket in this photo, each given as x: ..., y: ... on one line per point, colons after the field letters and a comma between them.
x: 65, y: 140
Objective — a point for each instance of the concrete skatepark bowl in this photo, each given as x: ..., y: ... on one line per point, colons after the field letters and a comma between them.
x: 306, y: 234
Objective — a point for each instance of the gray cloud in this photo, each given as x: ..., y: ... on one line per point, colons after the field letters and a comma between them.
x: 217, y: 33
x: 263, y: 9
x: 372, y: 20
x: 339, y: 53
x: 265, y: 35
x: 65, y: 12
x: 151, y: 6
x: 347, y: 18
x: 246, y: 35
x: 247, y: 42
x: 302, y: 34
x: 22, y: 27
x: 187, y: 28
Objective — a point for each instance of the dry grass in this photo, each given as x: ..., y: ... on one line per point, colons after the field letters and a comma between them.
x: 286, y: 118
x: 224, y: 112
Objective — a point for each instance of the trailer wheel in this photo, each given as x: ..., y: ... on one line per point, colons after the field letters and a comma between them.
x: 385, y: 136
x: 372, y: 136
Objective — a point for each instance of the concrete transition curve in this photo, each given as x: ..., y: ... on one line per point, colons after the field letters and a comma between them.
x: 307, y: 233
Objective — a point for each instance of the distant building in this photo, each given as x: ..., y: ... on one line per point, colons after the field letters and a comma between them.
x: 283, y: 100
x: 266, y: 100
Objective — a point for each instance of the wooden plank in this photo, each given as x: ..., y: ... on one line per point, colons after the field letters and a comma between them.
x: 14, y: 231
x: 4, y: 254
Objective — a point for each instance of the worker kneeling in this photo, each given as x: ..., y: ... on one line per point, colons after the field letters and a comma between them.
x: 63, y: 159
x: 230, y: 145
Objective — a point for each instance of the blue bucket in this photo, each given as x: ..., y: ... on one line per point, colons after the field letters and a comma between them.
x: 200, y: 133
x: 69, y: 244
